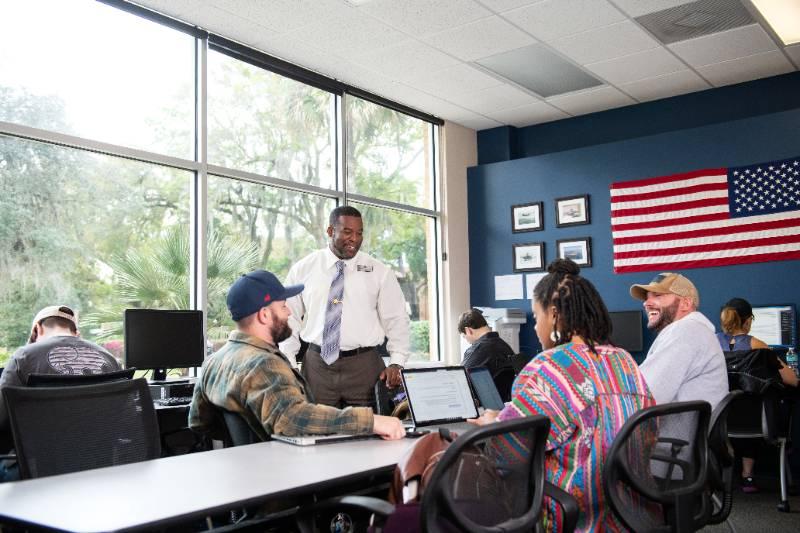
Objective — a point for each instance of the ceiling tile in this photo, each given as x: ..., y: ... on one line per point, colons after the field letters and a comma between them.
x: 478, y: 123
x: 616, y: 40
x: 420, y: 17
x: 590, y: 101
x: 723, y: 46
x: 297, y: 52
x: 478, y: 39
x: 493, y: 99
x: 747, y: 68
x: 552, y: 19
x: 405, y: 60
x: 281, y: 15
x: 794, y: 53
x: 528, y: 115
x: 352, y: 32
x: 634, y: 8
x: 647, y: 64
x: 461, y: 78
x: 498, y: 6
x: 437, y: 106
x: 685, y: 81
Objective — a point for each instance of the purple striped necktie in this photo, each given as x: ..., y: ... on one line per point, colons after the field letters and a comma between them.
x: 333, y: 317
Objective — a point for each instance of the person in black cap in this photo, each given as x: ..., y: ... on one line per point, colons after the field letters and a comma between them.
x: 251, y: 377
x: 736, y: 319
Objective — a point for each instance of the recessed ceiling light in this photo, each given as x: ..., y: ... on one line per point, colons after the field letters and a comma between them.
x: 783, y: 16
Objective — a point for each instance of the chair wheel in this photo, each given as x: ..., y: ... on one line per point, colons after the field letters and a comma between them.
x: 783, y: 507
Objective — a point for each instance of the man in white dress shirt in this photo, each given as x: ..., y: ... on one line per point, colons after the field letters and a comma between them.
x: 342, y: 362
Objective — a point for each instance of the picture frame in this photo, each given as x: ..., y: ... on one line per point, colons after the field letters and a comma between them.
x: 528, y: 257
x: 572, y: 211
x: 578, y: 249
x: 527, y: 217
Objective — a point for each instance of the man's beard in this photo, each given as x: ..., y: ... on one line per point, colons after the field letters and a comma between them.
x: 281, y: 331
x: 666, y: 316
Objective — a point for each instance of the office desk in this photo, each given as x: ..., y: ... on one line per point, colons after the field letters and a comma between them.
x: 173, y: 489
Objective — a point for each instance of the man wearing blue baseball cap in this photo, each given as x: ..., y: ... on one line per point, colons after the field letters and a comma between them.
x: 250, y: 376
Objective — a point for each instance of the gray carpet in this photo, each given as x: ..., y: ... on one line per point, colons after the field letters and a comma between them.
x: 759, y: 512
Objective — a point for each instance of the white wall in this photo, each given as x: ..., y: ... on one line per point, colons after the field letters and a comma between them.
x: 459, y: 151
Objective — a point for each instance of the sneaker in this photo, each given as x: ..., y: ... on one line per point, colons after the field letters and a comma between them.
x: 748, y: 485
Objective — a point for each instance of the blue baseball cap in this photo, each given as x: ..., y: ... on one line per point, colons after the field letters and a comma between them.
x: 255, y: 290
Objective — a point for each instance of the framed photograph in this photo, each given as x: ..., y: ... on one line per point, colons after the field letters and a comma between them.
x: 572, y: 211
x: 529, y: 257
x: 526, y: 217
x: 579, y: 250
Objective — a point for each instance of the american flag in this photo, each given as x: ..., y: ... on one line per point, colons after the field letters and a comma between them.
x: 712, y: 217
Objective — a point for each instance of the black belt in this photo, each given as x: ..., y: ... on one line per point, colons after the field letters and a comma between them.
x: 343, y: 353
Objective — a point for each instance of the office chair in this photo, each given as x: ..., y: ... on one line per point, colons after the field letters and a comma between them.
x: 656, y: 469
x: 518, y: 362
x: 385, y: 398
x: 68, y: 380
x: 765, y: 416
x: 238, y: 431
x: 721, y: 461
x: 503, y: 380
x: 68, y: 429
x: 473, y: 487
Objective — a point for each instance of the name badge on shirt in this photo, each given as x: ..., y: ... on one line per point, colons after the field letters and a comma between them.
x: 364, y: 268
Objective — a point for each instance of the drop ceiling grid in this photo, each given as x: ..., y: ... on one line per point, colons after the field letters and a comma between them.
x: 407, y: 50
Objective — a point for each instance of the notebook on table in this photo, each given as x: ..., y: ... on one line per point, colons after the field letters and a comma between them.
x: 485, y: 389
x: 438, y: 395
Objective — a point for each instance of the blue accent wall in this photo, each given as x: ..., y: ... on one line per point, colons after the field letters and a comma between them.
x: 764, y: 127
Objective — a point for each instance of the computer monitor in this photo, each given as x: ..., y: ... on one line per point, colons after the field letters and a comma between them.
x: 776, y: 325
x: 160, y: 339
x: 626, y: 330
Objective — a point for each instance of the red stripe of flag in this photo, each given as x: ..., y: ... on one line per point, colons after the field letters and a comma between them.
x: 668, y: 222
x: 711, y: 231
x: 713, y: 247
x: 669, y: 179
x: 702, y: 187
x: 677, y: 206
x: 719, y: 261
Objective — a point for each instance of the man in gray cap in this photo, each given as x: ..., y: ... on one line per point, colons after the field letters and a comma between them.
x: 685, y: 362
x: 250, y: 376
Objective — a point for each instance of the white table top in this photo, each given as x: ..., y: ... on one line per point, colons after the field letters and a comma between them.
x: 151, y: 492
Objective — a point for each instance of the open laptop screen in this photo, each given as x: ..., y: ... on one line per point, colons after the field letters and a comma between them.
x: 485, y: 389
x: 439, y: 395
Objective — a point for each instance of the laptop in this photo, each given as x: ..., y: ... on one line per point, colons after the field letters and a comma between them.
x: 485, y: 389
x: 311, y: 440
x: 439, y: 395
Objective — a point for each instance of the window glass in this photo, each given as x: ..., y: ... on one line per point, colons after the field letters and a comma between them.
x: 406, y: 243
x: 253, y: 226
x: 388, y: 154
x: 91, y: 70
x: 94, y: 232
x: 264, y: 123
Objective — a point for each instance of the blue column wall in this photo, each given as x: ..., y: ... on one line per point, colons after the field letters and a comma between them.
x: 494, y: 188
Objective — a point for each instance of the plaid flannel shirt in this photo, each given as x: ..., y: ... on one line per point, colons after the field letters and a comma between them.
x: 253, y: 378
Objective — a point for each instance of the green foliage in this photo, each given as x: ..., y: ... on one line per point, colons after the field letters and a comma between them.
x: 420, y: 336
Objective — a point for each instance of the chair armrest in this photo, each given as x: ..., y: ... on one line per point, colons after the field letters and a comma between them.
x: 305, y: 515
x: 568, y: 504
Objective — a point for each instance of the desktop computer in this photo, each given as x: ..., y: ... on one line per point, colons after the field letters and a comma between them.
x: 178, y: 389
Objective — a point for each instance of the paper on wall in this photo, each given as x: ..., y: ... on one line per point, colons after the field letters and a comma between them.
x: 530, y: 283
x: 508, y: 287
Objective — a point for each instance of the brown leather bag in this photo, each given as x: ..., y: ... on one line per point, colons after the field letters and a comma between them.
x: 418, y: 463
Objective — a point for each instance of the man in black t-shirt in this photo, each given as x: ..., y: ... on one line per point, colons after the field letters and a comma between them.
x: 487, y: 349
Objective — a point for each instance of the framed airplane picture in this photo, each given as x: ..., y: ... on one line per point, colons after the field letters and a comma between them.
x: 526, y: 217
x: 529, y: 257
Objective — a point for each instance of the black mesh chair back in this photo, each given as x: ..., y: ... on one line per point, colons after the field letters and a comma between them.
x: 721, y: 461
x: 656, y: 470
x: 68, y: 380
x: 238, y: 430
x: 58, y: 430
x: 489, y: 479
x: 503, y: 380
x: 518, y: 362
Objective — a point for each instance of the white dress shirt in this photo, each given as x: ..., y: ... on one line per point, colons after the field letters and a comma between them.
x: 373, y: 305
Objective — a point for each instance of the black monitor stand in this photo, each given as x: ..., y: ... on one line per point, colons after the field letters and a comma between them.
x: 159, y: 374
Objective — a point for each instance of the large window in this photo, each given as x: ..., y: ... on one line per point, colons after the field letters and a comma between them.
x: 104, y: 186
